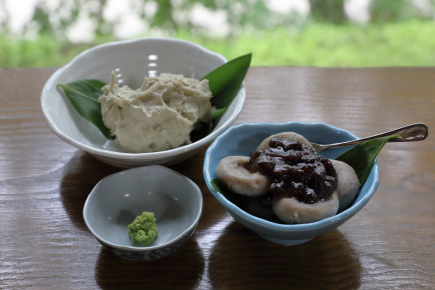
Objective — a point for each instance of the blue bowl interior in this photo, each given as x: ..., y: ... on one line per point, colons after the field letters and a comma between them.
x: 244, y: 138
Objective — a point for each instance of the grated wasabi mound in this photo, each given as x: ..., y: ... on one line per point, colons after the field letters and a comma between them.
x: 143, y: 229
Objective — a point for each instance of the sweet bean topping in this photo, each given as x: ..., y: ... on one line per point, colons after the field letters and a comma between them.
x: 295, y: 170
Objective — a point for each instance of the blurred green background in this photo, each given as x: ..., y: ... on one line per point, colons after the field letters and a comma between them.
x: 325, y: 33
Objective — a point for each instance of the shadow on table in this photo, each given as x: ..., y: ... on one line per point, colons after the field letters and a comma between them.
x: 327, y: 262
x: 80, y: 176
x: 182, y: 269
x: 83, y: 172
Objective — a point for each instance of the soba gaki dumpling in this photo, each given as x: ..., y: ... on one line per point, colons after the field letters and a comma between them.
x: 286, y: 180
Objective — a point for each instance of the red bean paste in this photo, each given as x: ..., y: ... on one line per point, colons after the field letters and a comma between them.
x: 295, y: 170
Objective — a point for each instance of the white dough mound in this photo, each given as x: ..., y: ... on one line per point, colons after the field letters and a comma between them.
x: 232, y: 172
x: 158, y: 116
x: 348, y: 183
x: 291, y: 136
x: 292, y: 211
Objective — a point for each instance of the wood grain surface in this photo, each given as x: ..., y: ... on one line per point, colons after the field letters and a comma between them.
x: 390, y: 244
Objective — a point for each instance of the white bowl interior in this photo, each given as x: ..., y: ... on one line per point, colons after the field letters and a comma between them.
x: 132, y: 61
x: 119, y: 198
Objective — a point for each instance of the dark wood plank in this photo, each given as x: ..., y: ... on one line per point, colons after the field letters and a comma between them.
x: 390, y: 244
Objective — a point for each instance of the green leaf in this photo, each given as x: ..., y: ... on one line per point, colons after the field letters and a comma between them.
x: 226, y: 80
x: 362, y: 157
x: 216, y: 116
x: 224, y: 191
x: 205, y: 128
x: 84, y: 95
x: 224, y: 83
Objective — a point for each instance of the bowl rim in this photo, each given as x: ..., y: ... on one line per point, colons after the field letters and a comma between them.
x: 195, y: 189
x: 136, y: 156
x: 340, y: 217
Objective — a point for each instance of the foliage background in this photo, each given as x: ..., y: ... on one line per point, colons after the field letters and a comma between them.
x: 395, y: 33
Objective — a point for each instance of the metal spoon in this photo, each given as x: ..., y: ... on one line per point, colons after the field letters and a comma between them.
x: 413, y: 132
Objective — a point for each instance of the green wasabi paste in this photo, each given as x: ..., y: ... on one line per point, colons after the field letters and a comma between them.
x: 143, y: 229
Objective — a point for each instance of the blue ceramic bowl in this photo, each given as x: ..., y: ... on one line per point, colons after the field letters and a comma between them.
x: 244, y: 138
x: 118, y: 199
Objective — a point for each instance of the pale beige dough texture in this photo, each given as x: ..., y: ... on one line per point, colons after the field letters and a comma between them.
x: 232, y: 172
x: 348, y: 184
x: 158, y: 116
x: 285, y: 135
x: 292, y: 211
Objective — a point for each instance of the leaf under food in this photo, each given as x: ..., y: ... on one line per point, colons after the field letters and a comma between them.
x: 224, y: 191
x: 226, y: 80
x: 362, y: 157
x: 225, y: 83
x: 83, y: 95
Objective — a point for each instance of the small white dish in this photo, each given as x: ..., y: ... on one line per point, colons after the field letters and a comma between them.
x: 118, y: 199
x: 132, y: 61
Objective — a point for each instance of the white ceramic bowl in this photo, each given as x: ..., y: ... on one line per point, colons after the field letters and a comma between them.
x: 118, y: 199
x: 134, y: 60
x: 244, y: 138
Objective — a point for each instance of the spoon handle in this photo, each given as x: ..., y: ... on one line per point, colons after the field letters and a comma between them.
x: 413, y: 132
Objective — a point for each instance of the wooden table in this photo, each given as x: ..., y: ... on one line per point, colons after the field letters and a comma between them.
x: 390, y: 244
